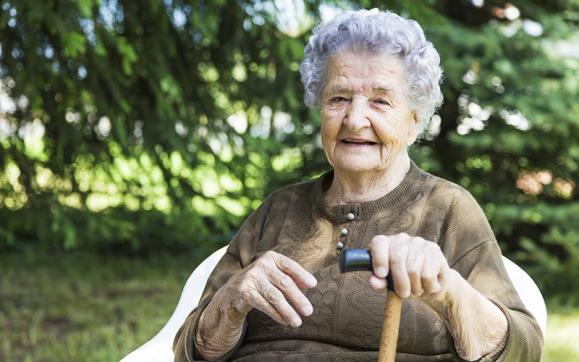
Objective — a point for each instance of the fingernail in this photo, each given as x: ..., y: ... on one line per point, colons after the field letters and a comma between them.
x: 308, y: 310
x: 296, y: 322
x: 380, y: 272
x: 313, y: 282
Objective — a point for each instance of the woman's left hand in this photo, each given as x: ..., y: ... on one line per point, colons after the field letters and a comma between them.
x: 417, y: 265
x: 419, y: 268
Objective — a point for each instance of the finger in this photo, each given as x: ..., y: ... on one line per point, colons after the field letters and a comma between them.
x: 414, y: 266
x: 379, y: 249
x: 291, y: 291
x: 256, y: 300
x: 278, y: 301
x: 430, y: 273
x: 398, y: 257
x: 378, y: 283
x: 302, y: 277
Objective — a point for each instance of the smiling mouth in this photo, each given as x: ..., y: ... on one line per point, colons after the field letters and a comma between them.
x: 358, y: 142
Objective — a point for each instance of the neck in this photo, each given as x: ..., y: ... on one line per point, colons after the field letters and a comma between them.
x: 367, y: 186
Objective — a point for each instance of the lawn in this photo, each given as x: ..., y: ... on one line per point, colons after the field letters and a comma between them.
x: 80, y: 307
x: 562, y: 342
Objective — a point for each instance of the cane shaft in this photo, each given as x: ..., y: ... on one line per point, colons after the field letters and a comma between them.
x: 390, y: 328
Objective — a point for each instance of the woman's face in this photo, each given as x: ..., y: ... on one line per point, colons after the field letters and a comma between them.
x: 366, y: 117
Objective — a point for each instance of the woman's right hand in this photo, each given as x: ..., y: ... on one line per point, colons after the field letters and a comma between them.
x: 270, y: 284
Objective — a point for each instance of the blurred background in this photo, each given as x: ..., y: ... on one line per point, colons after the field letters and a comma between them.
x: 135, y: 136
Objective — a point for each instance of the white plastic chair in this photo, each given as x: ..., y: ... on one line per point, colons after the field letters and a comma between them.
x: 160, y: 347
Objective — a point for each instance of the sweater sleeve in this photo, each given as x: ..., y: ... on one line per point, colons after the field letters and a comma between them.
x: 240, y: 253
x: 483, y: 268
x: 472, y: 250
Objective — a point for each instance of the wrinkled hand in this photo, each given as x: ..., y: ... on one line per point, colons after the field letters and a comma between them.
x: 417, y: 265
x: 271, y: 284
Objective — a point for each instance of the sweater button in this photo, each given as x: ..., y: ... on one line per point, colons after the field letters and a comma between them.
x: 339, y: 245
x: 350, y: 216
x: 344, y: 231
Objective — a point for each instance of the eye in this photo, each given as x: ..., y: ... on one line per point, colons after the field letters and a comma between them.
x: 339, y: 99
x: 381, y: 101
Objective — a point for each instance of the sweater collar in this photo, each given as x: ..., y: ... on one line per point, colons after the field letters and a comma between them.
x: 338, y: 213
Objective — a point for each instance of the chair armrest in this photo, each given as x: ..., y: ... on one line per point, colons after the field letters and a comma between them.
x: 160, y: 347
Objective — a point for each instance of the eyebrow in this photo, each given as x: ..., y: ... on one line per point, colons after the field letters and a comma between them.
x: 340, y: 88
x: 382, y: 89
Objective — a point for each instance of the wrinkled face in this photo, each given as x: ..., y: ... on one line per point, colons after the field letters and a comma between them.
x: 366, y: 117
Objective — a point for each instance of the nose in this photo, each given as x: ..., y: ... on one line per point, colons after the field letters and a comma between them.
x: 357, y: 115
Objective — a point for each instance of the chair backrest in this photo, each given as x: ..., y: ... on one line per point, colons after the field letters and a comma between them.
x: 529, y: 293
x: 159, y: 348
x: 192, y: 291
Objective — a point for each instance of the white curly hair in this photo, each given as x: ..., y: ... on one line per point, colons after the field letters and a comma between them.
x: 376, y: 32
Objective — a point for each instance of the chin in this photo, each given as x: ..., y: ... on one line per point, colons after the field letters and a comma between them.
x: 349, y: 168
x: 358, y: 163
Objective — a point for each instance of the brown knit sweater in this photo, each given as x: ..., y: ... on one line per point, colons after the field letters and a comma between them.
x: 348, y: 313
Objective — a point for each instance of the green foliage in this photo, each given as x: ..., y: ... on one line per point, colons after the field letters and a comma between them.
x: 161, y: 123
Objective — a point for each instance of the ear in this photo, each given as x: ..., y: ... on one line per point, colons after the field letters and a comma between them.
x: 414, y: 129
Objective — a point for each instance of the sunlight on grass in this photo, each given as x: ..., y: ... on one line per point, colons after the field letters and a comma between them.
x: 562, y: 342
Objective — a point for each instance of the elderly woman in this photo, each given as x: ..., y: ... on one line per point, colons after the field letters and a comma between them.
x: 278, y: 295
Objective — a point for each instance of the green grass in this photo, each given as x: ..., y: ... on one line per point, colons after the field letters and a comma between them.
x: 562, y: 342
x: 80, y: 307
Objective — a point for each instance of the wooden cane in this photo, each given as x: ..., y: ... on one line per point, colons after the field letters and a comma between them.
x: 390, y: 328
x: 361, y: 259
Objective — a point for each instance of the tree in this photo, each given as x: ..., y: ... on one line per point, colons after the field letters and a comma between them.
x: 127, y: 122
